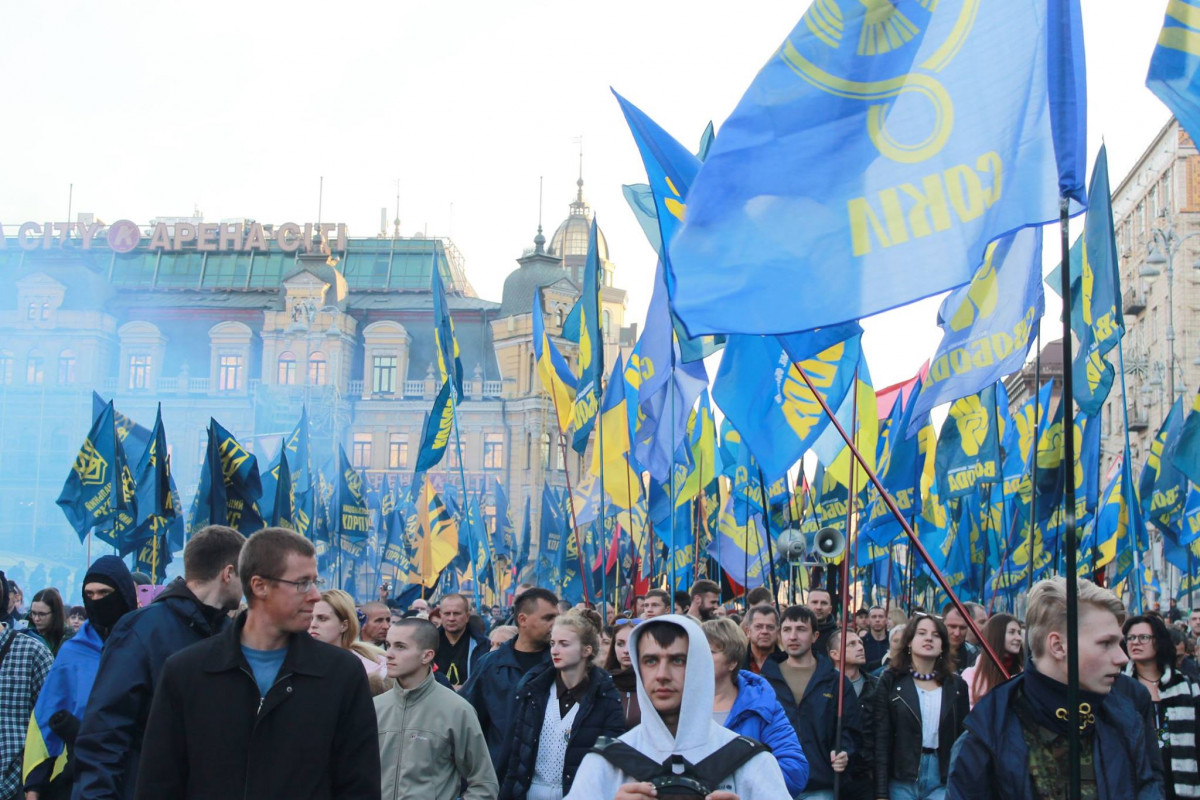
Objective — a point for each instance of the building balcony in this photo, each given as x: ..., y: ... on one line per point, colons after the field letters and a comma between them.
x: 1133, y: 300
x: 1139, y: 420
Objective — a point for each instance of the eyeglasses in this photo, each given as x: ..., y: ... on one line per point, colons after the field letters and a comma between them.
x: 1139, y: 638
x: 39, y: 614
x: 303, y: 586
x: 623, y: 621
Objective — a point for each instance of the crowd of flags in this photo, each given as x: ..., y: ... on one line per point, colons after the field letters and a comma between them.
x: 870, y: 163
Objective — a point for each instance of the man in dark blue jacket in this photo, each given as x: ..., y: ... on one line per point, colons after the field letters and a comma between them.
x: 807, y: 687
x: 491, y: 688
x: 109, y: 744
x: 1015, y: 747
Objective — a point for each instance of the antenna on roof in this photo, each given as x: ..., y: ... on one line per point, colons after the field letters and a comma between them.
x: 539, y: 241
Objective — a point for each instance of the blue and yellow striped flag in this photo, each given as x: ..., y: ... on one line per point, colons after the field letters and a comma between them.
x: 1175, y: 66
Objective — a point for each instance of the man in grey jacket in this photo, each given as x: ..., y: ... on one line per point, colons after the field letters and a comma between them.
x: 429, y: 737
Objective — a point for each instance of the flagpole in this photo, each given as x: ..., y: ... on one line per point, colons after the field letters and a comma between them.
x: 1069, y: 512
x: 562, y: 445
x: 890, y: 502
x: 671, y: 463
x: 603, y: 504
x: 774, y: 584
x: 1037, y: 440
x: 1137, y: 580
x: 845, y: 576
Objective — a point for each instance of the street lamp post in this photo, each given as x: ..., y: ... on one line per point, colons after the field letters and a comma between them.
x: 1171, y: 243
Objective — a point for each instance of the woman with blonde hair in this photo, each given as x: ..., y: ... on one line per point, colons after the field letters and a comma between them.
x: 335, y: 622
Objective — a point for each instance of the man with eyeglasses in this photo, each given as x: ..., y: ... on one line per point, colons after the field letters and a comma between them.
x: 191, y: 609
x: 264, y: 710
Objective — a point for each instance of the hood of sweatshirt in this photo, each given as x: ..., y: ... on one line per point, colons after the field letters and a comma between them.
x: 694, y: 731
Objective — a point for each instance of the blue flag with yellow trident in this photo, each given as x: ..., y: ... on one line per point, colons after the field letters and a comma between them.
x: 449, y: 365
x: 893, y: 138
x: 93, y: 490
x: 154, y: 499
x: 1175, y: 66
x: 1187, y: 450
x: 1162, y: 487
x: 987, y: 325
x: 759, y: 388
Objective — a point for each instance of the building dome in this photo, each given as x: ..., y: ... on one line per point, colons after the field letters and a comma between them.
x: 571, y: 238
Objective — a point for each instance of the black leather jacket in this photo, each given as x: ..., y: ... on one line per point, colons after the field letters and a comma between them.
x: 897, y: 727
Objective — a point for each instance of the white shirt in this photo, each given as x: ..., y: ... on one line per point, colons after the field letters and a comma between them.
x: 931, y: 715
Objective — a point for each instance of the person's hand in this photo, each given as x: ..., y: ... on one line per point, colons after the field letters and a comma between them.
x: 31, y: 796
x: 839, y: 761
x: 636, y: 791
x: 722, y: 795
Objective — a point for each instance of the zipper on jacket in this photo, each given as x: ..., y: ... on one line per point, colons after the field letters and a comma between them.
x: 257, y: 716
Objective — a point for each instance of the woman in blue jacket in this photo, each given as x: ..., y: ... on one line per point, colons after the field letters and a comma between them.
x: 746, y: 704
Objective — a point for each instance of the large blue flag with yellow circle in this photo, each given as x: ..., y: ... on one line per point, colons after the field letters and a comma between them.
x: 1175, y: 66
x: 881, y: 148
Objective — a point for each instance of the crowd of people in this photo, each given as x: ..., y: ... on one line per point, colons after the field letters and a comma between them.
x: 243, y: 678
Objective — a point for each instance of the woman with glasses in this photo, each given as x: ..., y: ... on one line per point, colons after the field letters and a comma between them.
x: 919, y: 709
x: 620, y: 666
x: 335, y: 622
x: 1003, y: 633
x: 1175, y: 698
x: 561, y: 709
x: 49, y: 619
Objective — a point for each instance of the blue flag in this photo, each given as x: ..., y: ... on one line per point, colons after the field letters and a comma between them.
x: 502, y: 537
x: 279, y: 493
x: 583, y: 326
x: 968, y: 448
x: 667, y: 387
x: 1187, y: 450
x: 759, y: 388
x: 553, y: 530
x: 894, y: 140
x: 1163, y: 488
x: 155, y: 501
x: 449, y: 365
x: 350, y: 515
x: 987, y: 325
x: 1175, y: 66
x: 435, y: 434
x: 97, y: 485
x: 670, y: 168
x: 230, y: 486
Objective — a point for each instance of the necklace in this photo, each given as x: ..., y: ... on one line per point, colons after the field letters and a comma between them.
x: 923, y: 676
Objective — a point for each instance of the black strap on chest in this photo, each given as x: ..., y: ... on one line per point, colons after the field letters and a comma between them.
x: 677, y: 777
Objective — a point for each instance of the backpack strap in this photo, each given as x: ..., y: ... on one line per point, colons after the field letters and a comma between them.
x: 626, y: 758
x: 728, y: 759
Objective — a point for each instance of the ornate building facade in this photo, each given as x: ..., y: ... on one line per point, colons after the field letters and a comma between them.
x: 221, y: 324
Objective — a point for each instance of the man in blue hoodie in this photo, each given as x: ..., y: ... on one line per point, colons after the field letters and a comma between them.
x: 806, y: 684
x: 108, y: 595
x: 192, y: 608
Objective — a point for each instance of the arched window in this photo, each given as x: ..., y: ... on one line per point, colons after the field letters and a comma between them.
x: 316, y: 368
x: 34, y: 368
x: 558, y: 316
x: 66, y: 367
x: 287, y: 369
x: 45, y: 311
x: 545, y: 451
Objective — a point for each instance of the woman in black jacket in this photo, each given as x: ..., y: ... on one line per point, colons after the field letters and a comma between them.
x: 561, y: 710
x: 919, y: 710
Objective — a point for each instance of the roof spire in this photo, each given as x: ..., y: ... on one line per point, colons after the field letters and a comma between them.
x: 539, y: 241
x: 579, y: 204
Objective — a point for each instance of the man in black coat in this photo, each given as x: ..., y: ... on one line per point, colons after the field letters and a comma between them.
x: 459, y: 648
x: 264, y: 710
x: 109, y: 744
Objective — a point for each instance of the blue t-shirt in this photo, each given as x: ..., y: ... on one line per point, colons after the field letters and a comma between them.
x: 265, y: 665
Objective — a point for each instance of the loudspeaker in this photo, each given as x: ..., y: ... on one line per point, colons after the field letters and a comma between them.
x: 829, y: 543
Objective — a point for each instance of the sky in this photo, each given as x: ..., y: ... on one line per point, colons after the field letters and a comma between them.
x: 238, y: 110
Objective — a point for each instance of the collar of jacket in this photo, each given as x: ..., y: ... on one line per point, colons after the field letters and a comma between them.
x: 906, y: 687
x: 755, y: 696
x: 417, y: 692
x: 303, y: 653
x: 181, y: 600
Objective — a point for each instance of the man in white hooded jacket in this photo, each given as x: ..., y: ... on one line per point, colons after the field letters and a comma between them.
x: 675, y: 689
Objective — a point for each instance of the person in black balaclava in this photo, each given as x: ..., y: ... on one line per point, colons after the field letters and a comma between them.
x: 108, y: 595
